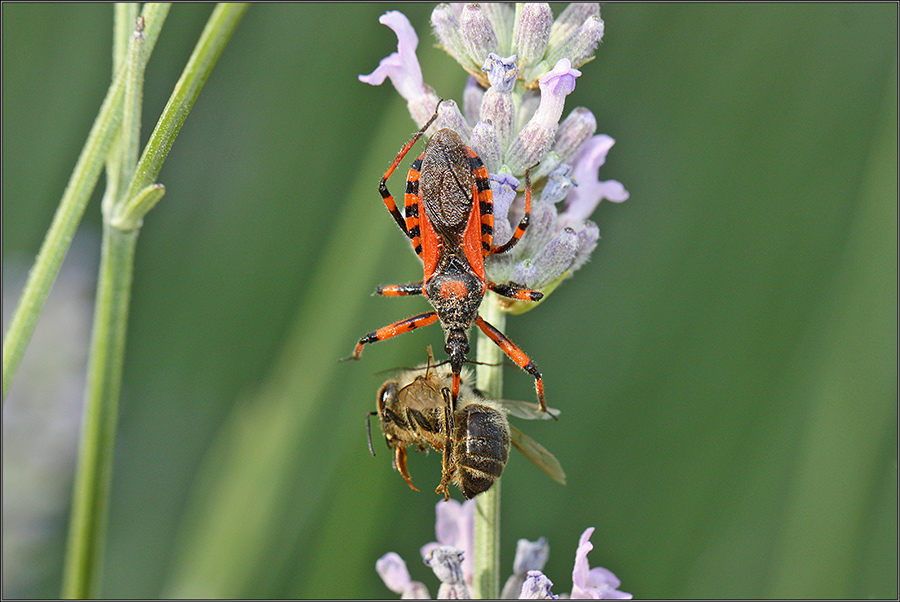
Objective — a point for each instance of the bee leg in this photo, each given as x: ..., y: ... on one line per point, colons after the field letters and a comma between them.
x: 446, y: 470
x: 400, y: 465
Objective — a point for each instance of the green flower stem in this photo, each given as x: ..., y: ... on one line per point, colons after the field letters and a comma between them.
x: 93, y: 476
x: 215, y: 36
x: 71, y: 208
x: 122, y: 220
x: 125, y: 15
x: 91, y: 496
x: 489, y: 379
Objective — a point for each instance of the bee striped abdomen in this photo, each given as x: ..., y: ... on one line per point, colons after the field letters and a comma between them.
x: 482, y: 446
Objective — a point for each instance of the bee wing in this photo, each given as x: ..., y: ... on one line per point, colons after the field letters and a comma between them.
x: 527, y: 410
x: 536, y: 452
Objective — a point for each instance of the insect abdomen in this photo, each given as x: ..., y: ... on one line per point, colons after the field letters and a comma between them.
x: 482, y: 448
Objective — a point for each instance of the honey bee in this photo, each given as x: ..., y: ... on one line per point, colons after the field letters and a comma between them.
x: 474, y: 439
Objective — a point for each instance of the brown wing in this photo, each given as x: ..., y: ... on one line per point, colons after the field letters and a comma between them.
x: 527, y: 410
x: 536, y: 452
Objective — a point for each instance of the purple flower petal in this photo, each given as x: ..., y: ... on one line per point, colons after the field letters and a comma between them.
x: 455, y: 527
x: 537, y: 137
x: 583, y: 199
x: 597, y: 583
x: 392, y: 570
x: 402, y: 67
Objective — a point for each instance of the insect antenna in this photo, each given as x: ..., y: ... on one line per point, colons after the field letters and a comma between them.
x: 369, y: 431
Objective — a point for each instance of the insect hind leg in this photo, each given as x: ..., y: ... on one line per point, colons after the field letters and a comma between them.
x: 516, y: 355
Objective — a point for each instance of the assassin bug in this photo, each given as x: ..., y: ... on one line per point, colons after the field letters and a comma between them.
x: 450, y: 223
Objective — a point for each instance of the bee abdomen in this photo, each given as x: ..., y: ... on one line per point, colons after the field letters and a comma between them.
x: 482, y: 449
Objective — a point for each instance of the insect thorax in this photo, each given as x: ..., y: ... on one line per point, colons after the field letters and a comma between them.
x: 456, y: 293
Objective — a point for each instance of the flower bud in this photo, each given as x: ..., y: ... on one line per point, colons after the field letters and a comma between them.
x: 550, y: 263
x: 558, y: 185
x: 446, y: 28
x: 472, y: 95
x: 587, y: 242
x: 533, y: 31
x: 449, y: 116
x: 477, y: 33
x: 573, y: 131
x: 446, y: 562
x: 581, y: 46
x: 484, y: 141
x: 568, y: 22
x: 497, y: 104
x: 537, y: 587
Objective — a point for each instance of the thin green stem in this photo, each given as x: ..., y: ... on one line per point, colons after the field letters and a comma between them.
x: 121, y: 226
x: 93, y: 477
x: 489, y: 379
x: 125, y: 15
x: 215, y: 36
x: 71, y: 208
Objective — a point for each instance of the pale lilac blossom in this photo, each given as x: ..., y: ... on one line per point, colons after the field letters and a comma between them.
x: 448, y: 557
x: 537, y: 137
x: 589, y: 189
x: 402, y: 67
x: 595, y: 583
x: 392, y: 570
x: 454, y: 527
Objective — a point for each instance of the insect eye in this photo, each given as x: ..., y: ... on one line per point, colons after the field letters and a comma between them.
x: 386, y: 395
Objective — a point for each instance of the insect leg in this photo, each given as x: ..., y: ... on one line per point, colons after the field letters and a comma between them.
x: 382, y: 188
x: 400, y: 465
x: 446, y: 470
x: 523, y: 223
x: 392, y: 330
x: 514, y: 291
x: 400, y: 290
x: 369, y: 431
x: 516, y: 355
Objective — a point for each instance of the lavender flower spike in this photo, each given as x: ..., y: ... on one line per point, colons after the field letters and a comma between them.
x: 597, y: 583
x: 523, y: 64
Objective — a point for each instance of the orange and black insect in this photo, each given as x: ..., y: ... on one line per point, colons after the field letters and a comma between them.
x: 450, y: 223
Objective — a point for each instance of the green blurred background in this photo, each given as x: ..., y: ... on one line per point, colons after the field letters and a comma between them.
x: 726, y: 364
